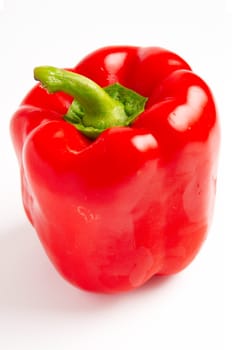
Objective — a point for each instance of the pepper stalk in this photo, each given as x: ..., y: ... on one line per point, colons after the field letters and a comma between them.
x: 94, y: 109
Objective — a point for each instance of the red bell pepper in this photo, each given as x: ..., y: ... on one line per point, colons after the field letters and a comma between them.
x: 118, y: 161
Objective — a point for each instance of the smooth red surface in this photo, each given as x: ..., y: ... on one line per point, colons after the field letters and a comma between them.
x: 136, y: 202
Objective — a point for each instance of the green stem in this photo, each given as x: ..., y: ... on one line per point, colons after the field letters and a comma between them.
x: 93, y: 109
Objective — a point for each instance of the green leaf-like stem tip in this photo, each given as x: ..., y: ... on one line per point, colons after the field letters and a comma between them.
x: 94, y: 108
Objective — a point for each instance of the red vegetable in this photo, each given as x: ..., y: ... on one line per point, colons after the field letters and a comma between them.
x: 120, y: 184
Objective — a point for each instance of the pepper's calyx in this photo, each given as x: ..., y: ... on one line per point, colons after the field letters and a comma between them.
x: 94, y: 109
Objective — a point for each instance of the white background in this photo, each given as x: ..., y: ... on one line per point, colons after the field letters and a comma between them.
x: 38, y: 309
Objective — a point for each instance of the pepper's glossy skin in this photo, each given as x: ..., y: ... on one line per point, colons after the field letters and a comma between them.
x: 138, y: 200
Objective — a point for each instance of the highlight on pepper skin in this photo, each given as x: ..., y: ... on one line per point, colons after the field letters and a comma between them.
x: 187, y: 114
x: 118, y: 161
